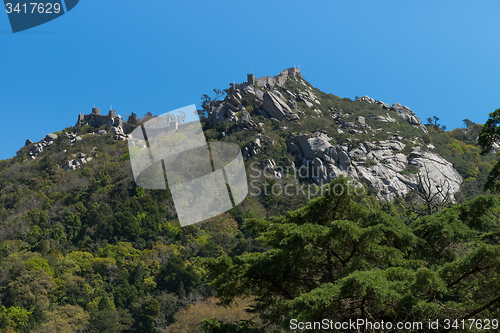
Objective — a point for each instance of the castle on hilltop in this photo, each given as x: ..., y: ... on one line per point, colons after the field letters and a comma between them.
x: 97, y: 120
x: 269, y: 81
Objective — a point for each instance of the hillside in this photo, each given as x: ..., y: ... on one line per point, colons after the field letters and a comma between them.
x: 284, y: 123
x: 82, y: 246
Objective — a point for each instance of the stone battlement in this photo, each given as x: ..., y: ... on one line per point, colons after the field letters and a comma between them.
x: 97, y: 120
x: 279, y: 79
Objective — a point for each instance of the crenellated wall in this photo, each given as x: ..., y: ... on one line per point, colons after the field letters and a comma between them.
x: 97, y: 120
x: 279, y: 79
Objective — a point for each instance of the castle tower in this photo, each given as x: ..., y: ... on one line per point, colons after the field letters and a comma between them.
x: 112, y: 113
x: 173, y: 125
x: 251, y: 79
x: 96, y: 111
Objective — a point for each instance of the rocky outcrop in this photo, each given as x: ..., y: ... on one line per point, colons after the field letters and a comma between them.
x: 120, y: 133
x: 253, y: 148
x: 77, y: 162
x: 381, y: 164
x: 37, y: 148
x: 367, y: 99
x: 402, y: 111
x: 72, y: 137
x: 310, y: 144
x: 308, y: 97
x: 441, y: 174
x: 246, y: 120
x: 384, y: 165
x: 385, y: 119
x: 408, y: 115
x: 270, y: 168
x: 275, y: 107
x: 219, y: 114
x: 227, y: 110
x: 50, y: 137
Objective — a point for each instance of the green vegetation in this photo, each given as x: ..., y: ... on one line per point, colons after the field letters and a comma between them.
x: 89, y: 249
x: 337, y: 259
x: 489, y: 140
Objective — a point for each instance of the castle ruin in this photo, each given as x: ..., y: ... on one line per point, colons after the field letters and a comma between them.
x: 268, y: 81
x: 111, y: 119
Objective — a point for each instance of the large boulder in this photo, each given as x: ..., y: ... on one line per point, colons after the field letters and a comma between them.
x: 234, y: 99
x: 217, y: 116
x: 259, y: 94
x: 276, y: 108
x: 253, y: 148
x: 440, y: 175
x: 373, y: 101
x: 408, y: 115
x: 246, y: 120
x: 312, y: 145
x: 249, y: 90
x: 50, y: 137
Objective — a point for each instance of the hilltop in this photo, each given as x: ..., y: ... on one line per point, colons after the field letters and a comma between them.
x: 284, y: 122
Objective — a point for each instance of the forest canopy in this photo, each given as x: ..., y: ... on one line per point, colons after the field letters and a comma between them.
x: 335, y: 258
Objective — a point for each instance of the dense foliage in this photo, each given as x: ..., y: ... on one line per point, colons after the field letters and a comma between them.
x: 88, y: 250
x: 337, y: 259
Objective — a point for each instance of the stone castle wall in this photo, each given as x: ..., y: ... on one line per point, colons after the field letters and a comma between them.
x: 279, y: 79
x: 97, y: 120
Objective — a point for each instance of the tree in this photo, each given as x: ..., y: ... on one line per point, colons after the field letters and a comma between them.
x: 177, y: 277
x: 106, y: 318
x: 433, y: 195
x: 147, y: 116
x: 429, y: 121
x: 490, y: 134
x: 337, y: 259
x: 150, y: 310
x: 31, y: 288
x: 488, y: 140
x: 468, y: 123
x: 435, y: 120
x: 105, y: 321
x: 208, y: 103
x: 14, y: 317
x: 64, y: 319
x: 132, y: 119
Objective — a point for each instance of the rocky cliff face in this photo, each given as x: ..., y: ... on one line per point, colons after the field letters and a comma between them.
x: 385, y: 165
x: 402, y: 111
x: 381, y: 164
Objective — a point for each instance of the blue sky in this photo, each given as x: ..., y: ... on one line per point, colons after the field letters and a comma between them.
x: 438, y: 58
